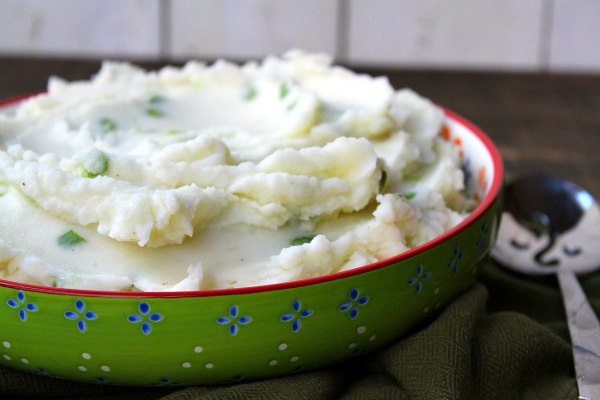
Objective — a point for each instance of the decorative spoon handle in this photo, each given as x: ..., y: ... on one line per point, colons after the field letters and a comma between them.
x: 585, y: 335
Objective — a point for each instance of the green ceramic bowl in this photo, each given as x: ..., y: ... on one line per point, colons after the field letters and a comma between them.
x: 220, y: 336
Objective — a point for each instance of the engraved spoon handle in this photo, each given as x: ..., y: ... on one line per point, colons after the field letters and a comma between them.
x: 585, y: 335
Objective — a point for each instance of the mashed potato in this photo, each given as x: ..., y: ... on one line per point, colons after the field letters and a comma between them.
x: 219, y: 176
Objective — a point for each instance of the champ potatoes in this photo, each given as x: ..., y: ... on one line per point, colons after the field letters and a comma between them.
x: 218, y: 176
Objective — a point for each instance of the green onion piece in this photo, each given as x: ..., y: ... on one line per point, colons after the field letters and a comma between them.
x: 383, y: 179
x: 154, y: 112
x: 301, y: 240
x: 410, y: 195
x: 292, y: 105
x: 283, y: 90
x: 69, y: 239
x: 94, y: 164
x: 412, y: 177
x: 31, y: 201
x: 156, y: 99
x: 3, y: 188
x: 250, y: 93
x: 108, y: 125
x: 172, y: 132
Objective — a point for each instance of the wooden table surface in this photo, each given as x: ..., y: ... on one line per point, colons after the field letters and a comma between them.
x: 541, y: 122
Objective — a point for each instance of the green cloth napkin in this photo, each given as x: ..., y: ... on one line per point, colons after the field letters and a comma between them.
x: 505, y: 338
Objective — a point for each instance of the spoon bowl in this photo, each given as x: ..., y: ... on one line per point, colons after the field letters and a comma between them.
x: 550, y: 225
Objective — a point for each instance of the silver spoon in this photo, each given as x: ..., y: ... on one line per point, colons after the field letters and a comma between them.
x: 553, y: 226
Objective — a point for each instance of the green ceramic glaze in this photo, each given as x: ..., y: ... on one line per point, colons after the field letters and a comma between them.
x: 228, y: 336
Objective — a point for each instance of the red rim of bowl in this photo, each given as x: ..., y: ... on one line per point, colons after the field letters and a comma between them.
x: 482, y: 207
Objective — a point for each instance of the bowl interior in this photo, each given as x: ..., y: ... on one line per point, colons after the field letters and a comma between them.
x: 483, y: 173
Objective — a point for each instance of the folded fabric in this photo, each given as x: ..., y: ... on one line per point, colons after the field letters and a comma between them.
x: 505, y: 338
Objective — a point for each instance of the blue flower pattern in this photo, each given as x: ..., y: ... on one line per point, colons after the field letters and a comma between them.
x: 419, y: 278
x: 234, y: 320
x: 80, y: 315
x: 455, y: 260
x: 22, y: 306
x: 296, y: 315
x: 355, y: 301
x: 164, y: 381
x: 145, y: 317
x: 482, y: 236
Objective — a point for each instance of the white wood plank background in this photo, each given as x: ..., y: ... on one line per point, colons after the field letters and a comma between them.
x: 441, y: 33
x: 575, y: 38
x: 251, y: 28
x: 80, y: 27
x: 535, y: 35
